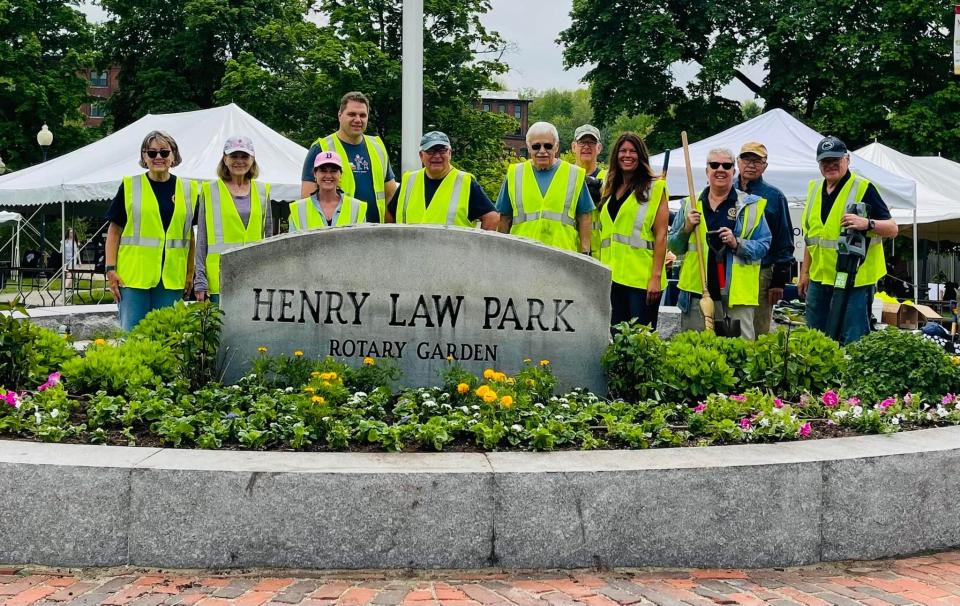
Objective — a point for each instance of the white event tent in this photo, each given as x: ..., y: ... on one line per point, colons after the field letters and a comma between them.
x: 938, y: 189
x: 94, y: 172
x: 791, y: 165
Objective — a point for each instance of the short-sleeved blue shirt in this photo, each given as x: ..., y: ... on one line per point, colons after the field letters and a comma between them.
x: 544, y: 178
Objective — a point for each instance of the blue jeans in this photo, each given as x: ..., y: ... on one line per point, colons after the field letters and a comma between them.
x: 135, y: 303
x: 856, y: 318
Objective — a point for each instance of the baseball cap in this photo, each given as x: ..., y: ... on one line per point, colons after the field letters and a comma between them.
x: 752, y: 147
x: 238, y: 144
x: 831, y: 147
x: 433, y: 139
x: 584, y: 130
x: 328, y: 157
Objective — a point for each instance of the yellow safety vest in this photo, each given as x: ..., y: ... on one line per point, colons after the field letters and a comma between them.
x: 549, y: 218
x: 378, y: 167
x: 744, y: 286
x: 822, y: 238
x: 450, y: 204
x: 225, y: 229
x: 595, y: 222
x: 627, y: 242
x: 304, y: 212
x: 147, y: 253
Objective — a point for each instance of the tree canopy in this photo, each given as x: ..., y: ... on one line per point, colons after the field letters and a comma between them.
x: 854, y: 70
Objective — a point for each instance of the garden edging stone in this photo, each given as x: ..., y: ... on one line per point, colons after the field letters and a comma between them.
x: 761, y: 505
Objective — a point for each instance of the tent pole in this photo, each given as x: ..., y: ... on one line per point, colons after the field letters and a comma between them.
x: 63, y: 252
x: 916, y: 266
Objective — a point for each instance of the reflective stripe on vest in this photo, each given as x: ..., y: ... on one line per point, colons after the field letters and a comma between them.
x: 378, y: 171
x: 456, y: 202
x: 628, y: 241
x: 219, y: 244
x: 304, y: 214
x: 136, y: 218
x: 564, y: 218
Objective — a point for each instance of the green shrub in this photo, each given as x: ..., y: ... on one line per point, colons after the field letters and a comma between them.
x: 48, y: 353
x: 121, y: 369
x: 814, y: 362
x: 16, y: 346
x: 192, y: 332
x: 633, y: 363
x: 733, y: 349
x: 695, y: 371
x: 893, y: 362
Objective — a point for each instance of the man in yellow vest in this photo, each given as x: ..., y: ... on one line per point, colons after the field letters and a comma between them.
x: 586, y: 149
x: 439, y: 193
x: 735, y: 220
x: 367, y: 174
x: 824, y: 216
x: 545, y: 198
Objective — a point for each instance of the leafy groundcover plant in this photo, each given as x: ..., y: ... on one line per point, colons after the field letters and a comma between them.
x: 156, y: 386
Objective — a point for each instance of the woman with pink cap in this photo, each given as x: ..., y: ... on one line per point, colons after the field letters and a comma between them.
x: 329, y: 206
x: 235, y: 211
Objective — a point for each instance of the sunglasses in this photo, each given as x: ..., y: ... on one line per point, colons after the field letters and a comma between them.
x: 153, y: 153
x: 716, y: 165
x: 239, y: 156
x: 537, y: 146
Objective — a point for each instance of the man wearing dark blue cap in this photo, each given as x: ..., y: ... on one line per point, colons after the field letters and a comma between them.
x: 824, y: 216
x: 438, y: 193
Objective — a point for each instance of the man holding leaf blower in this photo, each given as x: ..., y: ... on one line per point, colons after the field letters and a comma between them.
x: 732, y: 237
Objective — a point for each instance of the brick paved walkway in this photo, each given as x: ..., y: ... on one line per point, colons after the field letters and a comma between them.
x: 929, y: 580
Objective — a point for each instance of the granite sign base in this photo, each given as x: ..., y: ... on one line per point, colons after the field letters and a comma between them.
x: 423, y: 296
x: 767, y: 505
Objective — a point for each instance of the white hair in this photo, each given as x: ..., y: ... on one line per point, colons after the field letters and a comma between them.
x: 538, y: 129
x: 721, y: 151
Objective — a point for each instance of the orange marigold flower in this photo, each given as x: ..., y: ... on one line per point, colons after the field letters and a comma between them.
x: 368, y: 361
x: 488, y: 373
x: 100, y: 342
x: 544, y: 362
x: 507, y: 401
x: 261, y: 349
x: 298, y: 354
x: 318, y: 400
x: 482, y: 390
x: 490, y: 396
x: 463, y: 388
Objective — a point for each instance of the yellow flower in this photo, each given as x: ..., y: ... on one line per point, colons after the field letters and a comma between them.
x: 325, y: 384
x: 490, y: 396
x: 544, y: 362
x: 449, y: 358
x: 531, y: 382
x: 527, y: 360
x: 318, y: 400
x: 499, y: 376
x: 510, y: 381
x: 326, y: 376
x: 955, y: 360
x: 261, y: 349
x: 463, y: 388
x: 309, y: 389
x: 100, y: 342
x: 298, y: 354
x: 507, y: 401
x: 482, y: 390
x: 333, y: 376
x: 488, y: 373
x: 316, y: 374
x: 368, y: 361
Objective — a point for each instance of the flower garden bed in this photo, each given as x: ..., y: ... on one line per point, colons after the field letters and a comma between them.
x: 156, y: 387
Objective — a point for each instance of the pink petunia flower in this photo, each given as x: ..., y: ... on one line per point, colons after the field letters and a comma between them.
x: 804, y: 430
x: 745, y: 423
x: 830, y: 399
x: 52, y: 379
x: 854, y: 401
x: 700, y: 407
x: 778, y: 402
x: 886, y: 404
x: 738, y: 398
x: 11, y: 399
x: 948, y: 399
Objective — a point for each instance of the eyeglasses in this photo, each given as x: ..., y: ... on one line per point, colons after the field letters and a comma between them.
x: 437, y: 151
x: 716, y: 165
x: 587, y: 142
x: 537, y: 146
x: 239, y: 156
x: 153, y: 153
x: 753, y: 161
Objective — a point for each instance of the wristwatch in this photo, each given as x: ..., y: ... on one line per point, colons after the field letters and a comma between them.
x: 109, y: 268
x: 871, y: 225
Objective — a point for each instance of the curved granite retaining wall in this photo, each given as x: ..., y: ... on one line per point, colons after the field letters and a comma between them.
x: 738, y: 506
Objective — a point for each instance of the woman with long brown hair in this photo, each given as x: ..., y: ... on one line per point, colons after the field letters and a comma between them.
x: 633, y: 232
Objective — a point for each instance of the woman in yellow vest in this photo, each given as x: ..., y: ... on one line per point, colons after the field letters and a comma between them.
x: 329, y: 206
x: 633, y: 232
x: 235, y: 211
x: 149, y: 249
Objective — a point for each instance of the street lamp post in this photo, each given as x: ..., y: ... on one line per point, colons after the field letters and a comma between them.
x: 44, y: 139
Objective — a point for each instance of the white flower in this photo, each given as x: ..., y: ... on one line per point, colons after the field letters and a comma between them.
x: 475, y: 407
x: 567, y: 406
x: 558, y: 417
x: 895, y: 420
x: 38, y: 417
x: 465, y: 410
x: 841, y: 414
x: 429, y: 403
x: 55, y: 413
x: 288, y: 390
x: 857, y: 411
x: 539, y: 405
x: 325, y: 419
x: 942, y: 412
x: 360, y: 394
x: 764, y: 422
x: 516, y: 427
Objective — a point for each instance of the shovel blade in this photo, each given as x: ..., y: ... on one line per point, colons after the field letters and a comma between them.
x: 728, y: 328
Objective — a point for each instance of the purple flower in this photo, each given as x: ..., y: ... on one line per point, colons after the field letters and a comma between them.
x: 700, y: 407
x: 745, y: 423
x: 778, y: 402
x: 948, y: 399
x: 804, y: 430
x: 830, y: 399
x: 738, y: 398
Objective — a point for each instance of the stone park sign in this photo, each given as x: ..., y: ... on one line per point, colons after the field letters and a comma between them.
x: 418, y: 295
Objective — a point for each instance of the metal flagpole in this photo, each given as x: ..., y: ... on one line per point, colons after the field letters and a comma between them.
x: 412, y: 85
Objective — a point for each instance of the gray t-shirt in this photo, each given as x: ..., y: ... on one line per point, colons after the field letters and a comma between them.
x: 243, y: 209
